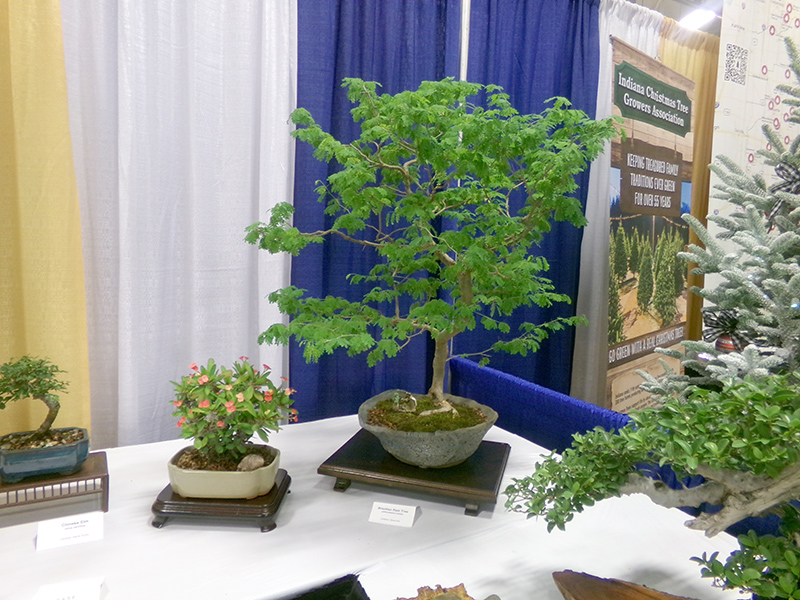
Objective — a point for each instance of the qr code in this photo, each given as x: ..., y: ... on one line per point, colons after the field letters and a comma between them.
x: 735, y: 64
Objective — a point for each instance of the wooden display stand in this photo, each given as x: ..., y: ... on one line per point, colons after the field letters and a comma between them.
x: 476, y: 480
x: 43, y: 497
x: 259, y: 511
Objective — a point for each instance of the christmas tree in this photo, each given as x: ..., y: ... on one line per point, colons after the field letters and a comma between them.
x: 734, y: 418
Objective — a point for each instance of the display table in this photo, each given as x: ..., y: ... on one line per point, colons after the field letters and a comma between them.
x: 322, y: 534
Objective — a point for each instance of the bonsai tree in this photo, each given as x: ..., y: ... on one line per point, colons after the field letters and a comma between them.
x: 735, y: 420
x: 221, y: 409
x: 429, y: 187
x: 36, y: 378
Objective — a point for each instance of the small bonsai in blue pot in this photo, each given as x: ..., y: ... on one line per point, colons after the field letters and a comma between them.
x: 46, y: 450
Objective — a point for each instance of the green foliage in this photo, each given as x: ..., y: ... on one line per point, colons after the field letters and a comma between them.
x: 750, y: 426
x: 644, y: 291
x: 29, y: 377
x: 616, y: 320
x: 634, y: 252
x: 222, y: 408
x: 664, y: 296
x: 424, y: 156
x: 768, y: 566
x: 619, y: 255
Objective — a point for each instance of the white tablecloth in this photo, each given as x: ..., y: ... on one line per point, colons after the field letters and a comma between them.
x: 322, y: 534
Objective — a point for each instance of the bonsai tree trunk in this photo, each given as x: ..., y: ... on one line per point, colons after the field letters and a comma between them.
x: 52, y: 412
x: 441, y: 346
x: 436, y: 391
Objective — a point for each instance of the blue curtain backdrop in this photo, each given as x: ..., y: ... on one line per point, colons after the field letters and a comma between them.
x: 399, y: 44
x: 536, y: 50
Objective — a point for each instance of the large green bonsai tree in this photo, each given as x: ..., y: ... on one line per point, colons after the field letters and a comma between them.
x: 427, y: 157
x: 734, y: 418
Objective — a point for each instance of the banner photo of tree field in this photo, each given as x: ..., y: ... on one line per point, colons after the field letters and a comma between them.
x: 650, y: 187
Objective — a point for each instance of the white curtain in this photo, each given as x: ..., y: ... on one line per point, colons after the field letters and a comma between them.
x: 179, y: 117
x: 641, y: 28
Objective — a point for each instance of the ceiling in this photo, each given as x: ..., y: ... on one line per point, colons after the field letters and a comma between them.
x: 677, y: 9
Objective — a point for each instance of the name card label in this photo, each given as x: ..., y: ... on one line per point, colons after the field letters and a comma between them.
x: 82, y: 589
x: 393, y: 514
x: 66, y: 531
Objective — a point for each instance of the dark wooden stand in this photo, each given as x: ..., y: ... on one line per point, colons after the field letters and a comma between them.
x: 42, y: 497
x: 476, y: 480
x: 260, y: 511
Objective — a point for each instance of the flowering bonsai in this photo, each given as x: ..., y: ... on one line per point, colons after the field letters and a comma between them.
x: 222, y: 408
x: 35, y: 378
x: 427, y: 157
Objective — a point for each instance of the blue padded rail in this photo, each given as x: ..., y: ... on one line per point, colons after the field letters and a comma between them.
x: 529, y: 410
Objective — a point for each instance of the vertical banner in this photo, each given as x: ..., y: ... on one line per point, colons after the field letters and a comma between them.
x: 650, y: 187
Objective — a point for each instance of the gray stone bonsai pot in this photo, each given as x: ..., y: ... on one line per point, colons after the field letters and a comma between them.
x: 425, y: 449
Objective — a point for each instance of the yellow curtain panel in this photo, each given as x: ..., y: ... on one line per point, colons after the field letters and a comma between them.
x: 42, y: 297
x: 694, y: 54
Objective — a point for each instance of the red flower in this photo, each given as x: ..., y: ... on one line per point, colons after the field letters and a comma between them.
x: 182, y: 421
x: 220, y: 424
x: 204, y: 404
x: 243, y: 358
x: 230, y: 406
x: 202, y: 379
x: 194, y: 367
x: 178, y: 403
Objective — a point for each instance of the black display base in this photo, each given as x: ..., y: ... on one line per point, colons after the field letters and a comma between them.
x: 344, y: 588
x: 476, y: 480
x: 259, y: 511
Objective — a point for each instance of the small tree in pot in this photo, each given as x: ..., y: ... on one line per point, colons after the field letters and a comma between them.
x: 428, y: 187
x: 36, y: 378
x: 45, y: 450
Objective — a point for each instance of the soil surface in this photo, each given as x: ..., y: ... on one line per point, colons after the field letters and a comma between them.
x: 54, y: 437
x: 385, y: 414
x: 195, y: 460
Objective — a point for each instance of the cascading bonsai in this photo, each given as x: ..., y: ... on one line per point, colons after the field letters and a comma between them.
x: 429, y: 187
x: 32, y: 378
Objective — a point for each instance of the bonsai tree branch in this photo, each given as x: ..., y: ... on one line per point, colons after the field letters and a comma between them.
x: 662, y: 495
x: 753, y: 502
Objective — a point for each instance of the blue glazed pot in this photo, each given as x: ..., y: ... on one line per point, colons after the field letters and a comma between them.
x: 62, y: 459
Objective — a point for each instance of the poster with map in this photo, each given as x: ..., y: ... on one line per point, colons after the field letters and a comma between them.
x: 752, y: 63
x: 650, y: 187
